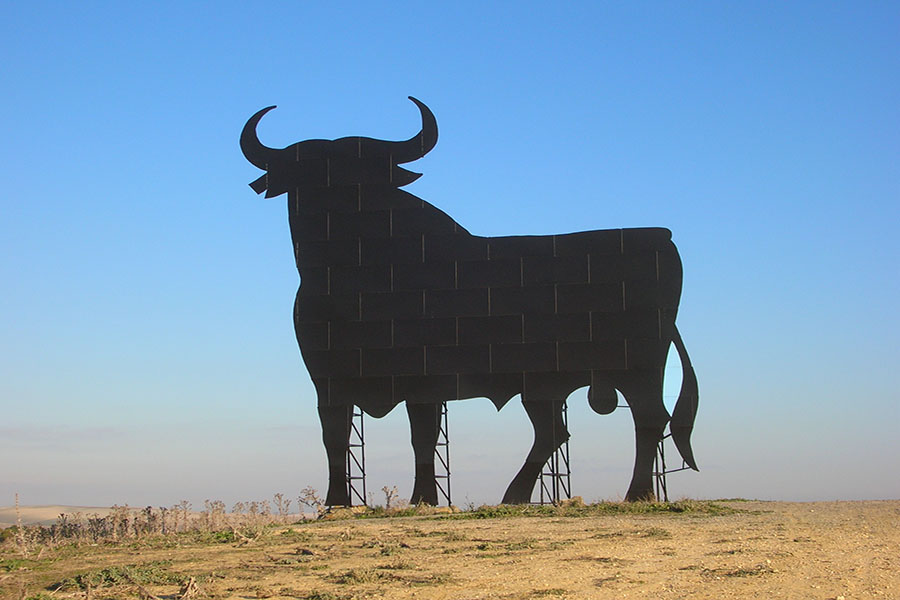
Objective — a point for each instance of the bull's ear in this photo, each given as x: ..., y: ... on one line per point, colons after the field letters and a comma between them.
x: 259, y: 185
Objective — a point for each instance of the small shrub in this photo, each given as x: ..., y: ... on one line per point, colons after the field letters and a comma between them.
x: 8, y: 534
x: 282, y: 505
x: 223, y: 537
x: 310, y: 497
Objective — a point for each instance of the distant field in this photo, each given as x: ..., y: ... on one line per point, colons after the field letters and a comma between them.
x: 47, y: 515
x: 44, y: 515
x: 726, y: 549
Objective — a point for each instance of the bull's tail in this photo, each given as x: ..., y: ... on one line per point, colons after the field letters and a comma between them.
x: 682, y: 422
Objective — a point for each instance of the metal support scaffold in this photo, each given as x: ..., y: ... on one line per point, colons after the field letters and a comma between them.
x: 356, y: 460
x: 442, y: 453
x: 556, y: 476
x: 660, y: 470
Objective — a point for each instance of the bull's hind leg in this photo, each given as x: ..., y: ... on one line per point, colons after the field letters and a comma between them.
x: 644, y: 396
x: 336, y: 437
x: 424, y: 425
x: 549, y: 435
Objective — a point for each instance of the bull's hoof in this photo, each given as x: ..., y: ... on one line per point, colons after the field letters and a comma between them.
x: 518, y: 493
x: 429, y: 497
x: 640, y: 495
x: 425, y: 489
x: 507, y: 499
x: 338, y: 498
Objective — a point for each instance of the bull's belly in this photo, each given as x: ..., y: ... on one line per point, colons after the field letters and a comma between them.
x: 540, y: 371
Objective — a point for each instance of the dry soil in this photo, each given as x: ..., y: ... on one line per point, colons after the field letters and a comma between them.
x: 827, y: 550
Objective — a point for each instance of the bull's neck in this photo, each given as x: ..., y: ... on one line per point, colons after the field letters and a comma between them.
x: 318, y: 215
x: 308, y: 222
x: 311, y: 212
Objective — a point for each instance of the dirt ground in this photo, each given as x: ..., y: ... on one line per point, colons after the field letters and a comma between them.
x: 827, y: 550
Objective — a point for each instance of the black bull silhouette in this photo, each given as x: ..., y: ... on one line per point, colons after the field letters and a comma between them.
x: 398, y: 302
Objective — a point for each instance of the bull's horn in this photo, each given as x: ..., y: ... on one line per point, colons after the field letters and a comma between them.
x: 420, y: 144
x: 253, y: 149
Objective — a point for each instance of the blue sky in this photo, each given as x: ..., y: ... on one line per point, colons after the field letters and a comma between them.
x: 147, y: 350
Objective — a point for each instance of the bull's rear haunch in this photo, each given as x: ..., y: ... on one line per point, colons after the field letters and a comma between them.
x: 400, y: 303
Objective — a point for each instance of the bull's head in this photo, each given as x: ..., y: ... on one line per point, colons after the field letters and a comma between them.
x: 350, y: 160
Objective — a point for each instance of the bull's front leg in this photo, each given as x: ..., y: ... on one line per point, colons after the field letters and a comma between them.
x: 336, y: 437
x: 424, y: 426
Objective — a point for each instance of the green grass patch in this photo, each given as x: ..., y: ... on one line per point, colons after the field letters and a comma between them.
x: 151, y: 573
x: 294, y: 535
x: 696, y: 507
x: 8, y: 565
x: 431, y: 579
x: 740, y: 572
x: 357, y: 576
x: 654, y: 532
x: 527, y: 544
x: 573, y: 508
x: 397, y: 565
x: 324, y: 596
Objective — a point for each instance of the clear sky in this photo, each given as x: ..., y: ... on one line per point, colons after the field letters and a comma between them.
x: 146, y: 346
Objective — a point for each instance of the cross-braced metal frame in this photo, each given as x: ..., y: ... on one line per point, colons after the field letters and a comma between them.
x: 442, y: 453
x: 556, y: 476
x: 356, y: 460
x: 660, y: 470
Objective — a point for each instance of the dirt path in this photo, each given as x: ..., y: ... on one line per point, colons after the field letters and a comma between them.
x: 768, y: 550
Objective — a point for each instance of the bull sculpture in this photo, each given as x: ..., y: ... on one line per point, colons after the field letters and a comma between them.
x: 399, y: 302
